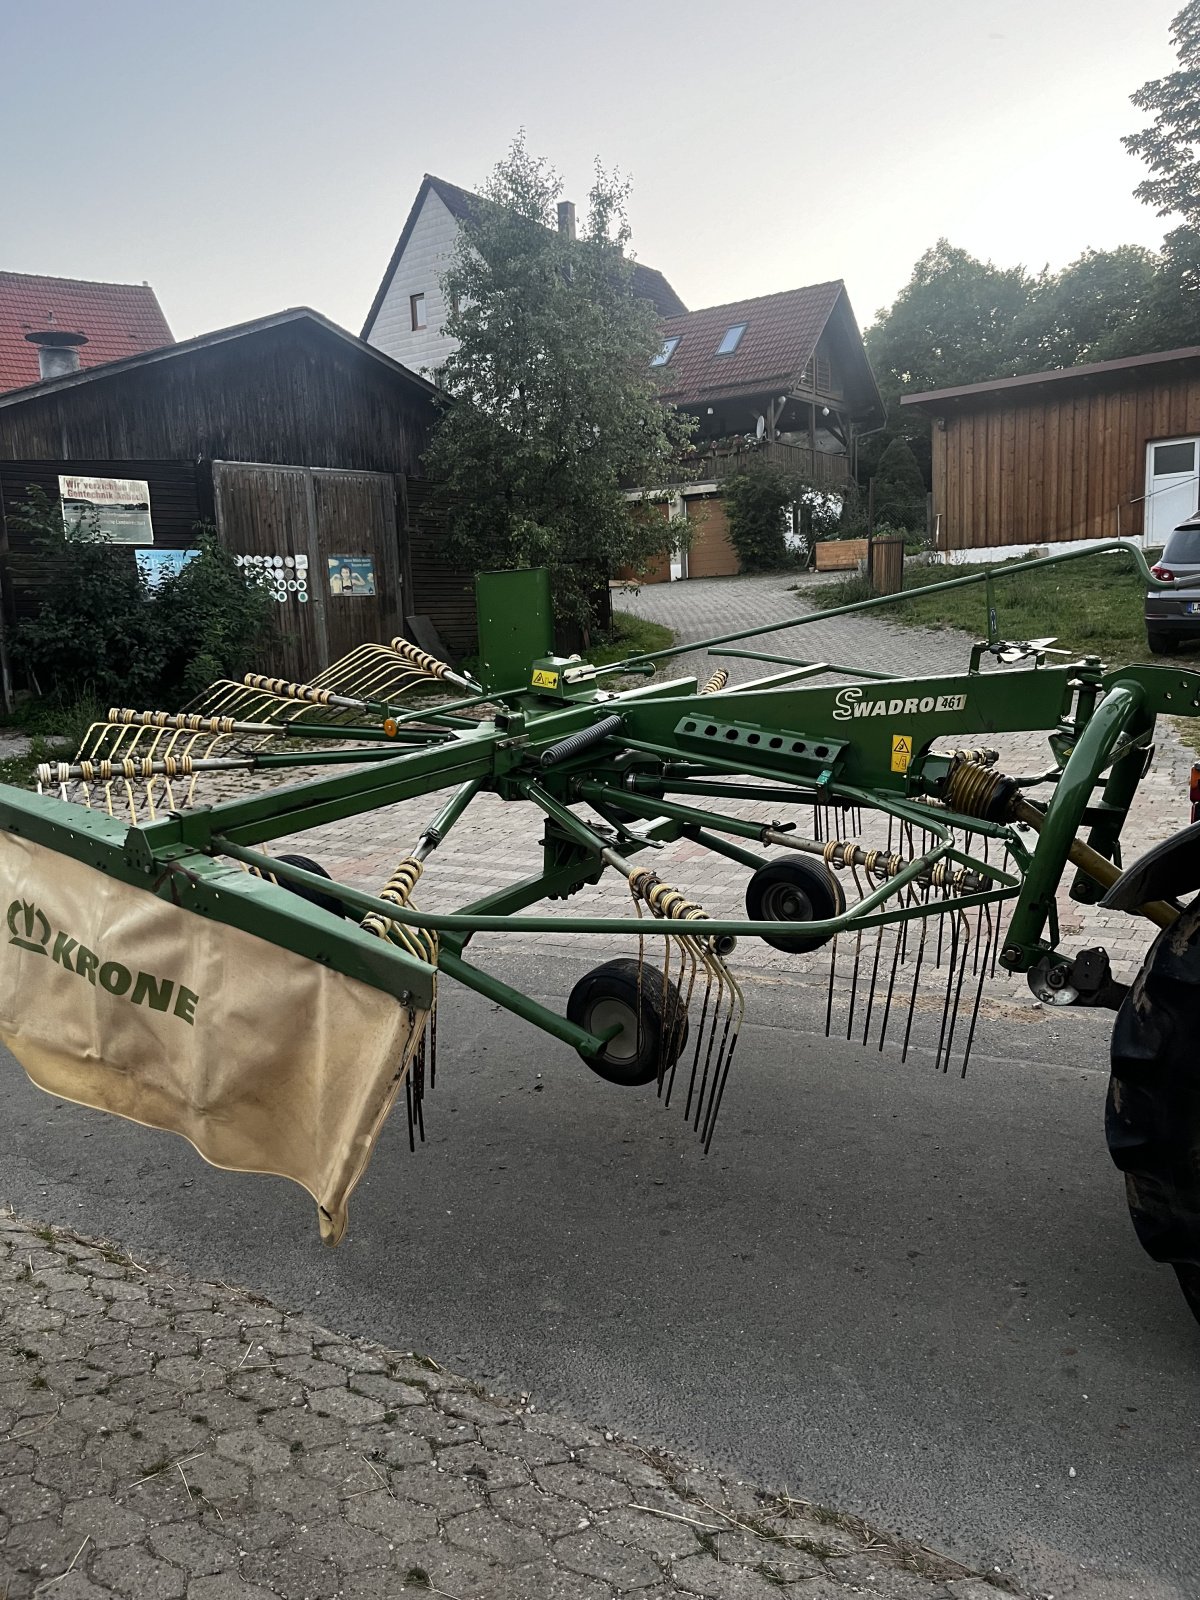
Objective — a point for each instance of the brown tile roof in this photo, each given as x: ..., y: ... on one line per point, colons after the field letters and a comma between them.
x: 119, y: 319
x: 781, y: 335
x: 649, y: 284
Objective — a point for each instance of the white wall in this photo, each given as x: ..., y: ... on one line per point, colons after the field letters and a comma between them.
x: 419, y: 271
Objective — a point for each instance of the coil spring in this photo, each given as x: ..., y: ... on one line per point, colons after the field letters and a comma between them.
x: 287, y: 689
x: 60, y: 772
x: 421, y: 659
x: 419, y: 942
x: 976, y: 791
x: 166, y: 719
x: 716, y: 682
x: 662, y: 899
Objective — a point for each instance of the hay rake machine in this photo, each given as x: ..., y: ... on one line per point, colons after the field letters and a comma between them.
x: 163, y: 965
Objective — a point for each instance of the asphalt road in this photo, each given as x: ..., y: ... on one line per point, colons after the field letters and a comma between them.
x: 911, y: 1297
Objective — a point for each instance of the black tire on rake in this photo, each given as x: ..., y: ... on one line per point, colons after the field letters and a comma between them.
x: 794, y: 891
x: 654, y: 1025
x: 313, y: 896
x: 1152, y: 1118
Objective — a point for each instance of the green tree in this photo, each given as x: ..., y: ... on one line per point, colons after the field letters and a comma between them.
x: 1105, y: 305
x: 900, y: 489
x: 1170, y: 147
x: 554, y: 405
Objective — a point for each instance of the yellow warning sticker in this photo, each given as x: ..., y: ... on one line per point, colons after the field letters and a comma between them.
x: 901, y: 751
x: 543, y: 679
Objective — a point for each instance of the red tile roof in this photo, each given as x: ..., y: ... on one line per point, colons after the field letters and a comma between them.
x: 119, y: 319
x: 781, y: 335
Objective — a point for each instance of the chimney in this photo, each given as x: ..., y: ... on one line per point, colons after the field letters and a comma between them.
x: 566, y: 218
x: 58, y: 351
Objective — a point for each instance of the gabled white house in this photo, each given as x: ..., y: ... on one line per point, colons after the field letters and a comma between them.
x: 408, y: 313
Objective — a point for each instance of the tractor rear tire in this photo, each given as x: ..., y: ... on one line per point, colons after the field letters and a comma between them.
x: 313, y: 896
x: 794, y: 891
x: 1152, y: 1118
x: 654, y: 1025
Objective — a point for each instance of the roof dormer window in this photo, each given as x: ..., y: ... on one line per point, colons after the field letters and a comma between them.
x: 733, y: 337
x: 667, y: 351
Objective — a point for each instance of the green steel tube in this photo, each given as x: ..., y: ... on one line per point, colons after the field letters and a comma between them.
x: 1122, y: 705
x: 643, y: 806
x: 453, y: 966
x: 858, y: 916
x: 813, y: 666
x: 982, y: 575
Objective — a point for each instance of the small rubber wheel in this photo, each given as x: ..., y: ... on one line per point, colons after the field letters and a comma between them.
x: 794, y: 891
x: 1161, y: 644
x: 651, y: 1017
x: 313, y: 896
x: 1152, y: 1117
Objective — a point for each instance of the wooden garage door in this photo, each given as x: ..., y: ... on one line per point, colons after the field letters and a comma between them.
x: 326, y: 542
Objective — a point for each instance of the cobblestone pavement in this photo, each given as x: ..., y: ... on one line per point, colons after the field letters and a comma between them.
x: 161, y: 1438
x: 497, y: 843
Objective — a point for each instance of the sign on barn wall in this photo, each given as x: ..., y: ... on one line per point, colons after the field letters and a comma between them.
x: 117, y: 508
x: 350, y: 575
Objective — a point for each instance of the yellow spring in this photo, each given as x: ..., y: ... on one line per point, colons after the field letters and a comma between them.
x: 717, y: 682
x: 662, y: 899
x: 61, y: 772
x: 398, y: 892
x: 289, y: 690
x: 421, y: 659
x: 168, y: 719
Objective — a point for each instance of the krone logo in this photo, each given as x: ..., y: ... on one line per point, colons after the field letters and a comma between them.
x: 27, y: 927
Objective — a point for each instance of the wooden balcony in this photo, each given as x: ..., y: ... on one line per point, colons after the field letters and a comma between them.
x: 822, y: 466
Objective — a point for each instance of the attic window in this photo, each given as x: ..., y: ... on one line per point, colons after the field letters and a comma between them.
x: 667, y: 351
x: 416, y: 306
x: 733, y: 337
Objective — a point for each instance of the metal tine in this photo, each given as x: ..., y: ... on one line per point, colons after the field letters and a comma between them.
x: 832, y: 980
x: 737, y: 1011
x: 694, y: 955
x: 897, y: 946
x: 722, y: 973
x: 858, y: 938
x: 687, y: 1110
x: 983, y: 966
x: 874, y: 983
x: 912, y: 999
x: 963, y: 924
x: 412, y: 1144
x: 937, y: 1059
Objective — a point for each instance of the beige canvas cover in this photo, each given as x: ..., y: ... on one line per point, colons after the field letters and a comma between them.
x: 263, y: 1060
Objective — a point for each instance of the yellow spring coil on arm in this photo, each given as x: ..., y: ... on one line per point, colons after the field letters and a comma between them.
x: 287, y: 689
x: 716, y: 682
x: 420, y: 659
x: 419, y: 942
x: 188, y: 723
x: 62, y: 772
x: 662, y: 899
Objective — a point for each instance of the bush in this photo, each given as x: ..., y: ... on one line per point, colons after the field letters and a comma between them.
x: 102, y: 632
x: 758, y: 501
x: 900, y: 489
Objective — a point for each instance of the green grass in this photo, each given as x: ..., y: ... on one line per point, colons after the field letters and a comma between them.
x: 630, y: 636
x: 55, y: 734
x: 1093, y: 606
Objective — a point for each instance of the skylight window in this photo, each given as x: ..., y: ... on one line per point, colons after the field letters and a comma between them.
x: 665, y: 354
x: 733, y: 337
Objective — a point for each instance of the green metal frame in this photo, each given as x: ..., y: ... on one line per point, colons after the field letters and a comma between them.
x: 829, y: 744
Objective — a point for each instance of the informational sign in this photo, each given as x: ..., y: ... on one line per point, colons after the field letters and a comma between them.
x: 118, y: 508
x: 155, y: 565
x: 351, y: 575
x: 284, y: 577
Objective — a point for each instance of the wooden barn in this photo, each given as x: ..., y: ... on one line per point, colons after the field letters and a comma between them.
x: 298, y: 441
x: 1104, y: 451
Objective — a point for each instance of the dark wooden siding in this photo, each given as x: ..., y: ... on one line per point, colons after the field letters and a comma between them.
x: 180, y: 496
x: 438, y: 588
x: 1034, y: 470
x: 296, y: 395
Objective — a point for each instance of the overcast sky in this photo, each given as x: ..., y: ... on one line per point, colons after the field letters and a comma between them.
x: 243, y: 157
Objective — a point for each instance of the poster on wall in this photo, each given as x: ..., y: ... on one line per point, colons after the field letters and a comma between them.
x: 155, y: 565
x: 351, y: 575
x: 118, y: 508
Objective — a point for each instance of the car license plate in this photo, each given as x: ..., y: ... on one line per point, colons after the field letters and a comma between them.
x: 1193, y: 607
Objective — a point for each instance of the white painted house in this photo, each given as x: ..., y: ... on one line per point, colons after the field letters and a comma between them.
x: 408, y: 314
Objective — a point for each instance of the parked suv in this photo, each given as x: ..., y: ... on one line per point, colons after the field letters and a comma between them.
x: 1173, y: 615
